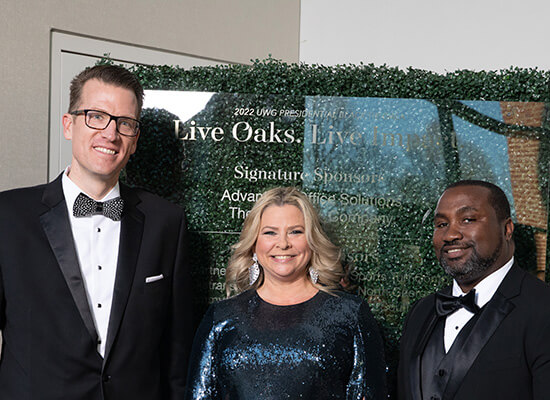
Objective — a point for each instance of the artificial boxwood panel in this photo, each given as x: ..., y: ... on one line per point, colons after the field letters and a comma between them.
x: 189, y: 174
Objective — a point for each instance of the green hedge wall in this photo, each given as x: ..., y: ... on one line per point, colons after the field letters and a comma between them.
x: 364, y: 80
x: 151, y: 166
x: 271, y: 76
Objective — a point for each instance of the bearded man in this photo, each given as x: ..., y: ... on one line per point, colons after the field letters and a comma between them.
x: 487, y: 336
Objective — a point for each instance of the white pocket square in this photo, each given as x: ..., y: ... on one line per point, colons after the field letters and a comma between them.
x: 155, y: 278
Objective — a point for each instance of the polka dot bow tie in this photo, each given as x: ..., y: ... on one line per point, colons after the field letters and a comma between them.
x: 85, y: 207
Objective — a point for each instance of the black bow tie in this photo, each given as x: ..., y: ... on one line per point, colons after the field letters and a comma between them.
x: 85, y: 207
x: 445, y: 305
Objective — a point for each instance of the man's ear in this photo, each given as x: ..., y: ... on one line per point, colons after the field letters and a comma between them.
x: 508, y: 229
x: 67, y: 126
x: 134, y: 146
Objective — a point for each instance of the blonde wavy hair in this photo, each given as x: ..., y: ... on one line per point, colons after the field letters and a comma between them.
x: 325, y: 256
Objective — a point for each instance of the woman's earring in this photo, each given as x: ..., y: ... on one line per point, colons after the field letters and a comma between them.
x: 314, y: 275
x: 254, y: 270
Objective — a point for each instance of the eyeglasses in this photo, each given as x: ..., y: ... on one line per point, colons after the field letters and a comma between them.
x: 100, y: 120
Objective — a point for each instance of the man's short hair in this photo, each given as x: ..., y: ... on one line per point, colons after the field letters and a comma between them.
x: 497, y: 197
x: 111, y: 74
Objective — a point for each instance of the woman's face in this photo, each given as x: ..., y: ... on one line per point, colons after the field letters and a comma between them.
x: 281, y: 246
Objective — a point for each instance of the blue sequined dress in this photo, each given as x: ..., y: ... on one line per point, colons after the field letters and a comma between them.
x: 328, y: 347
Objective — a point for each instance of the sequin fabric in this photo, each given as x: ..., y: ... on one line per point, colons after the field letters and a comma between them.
x: 85, y: 207
x: 328, y: 347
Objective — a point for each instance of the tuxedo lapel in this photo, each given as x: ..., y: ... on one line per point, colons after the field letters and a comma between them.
x: 57, y: 227
x: 420, y: 344
x: 489, y: 320
x: 131, y: 232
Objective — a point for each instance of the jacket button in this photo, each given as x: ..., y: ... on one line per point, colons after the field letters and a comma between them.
x: 106, y: 378
x: 441, y: 372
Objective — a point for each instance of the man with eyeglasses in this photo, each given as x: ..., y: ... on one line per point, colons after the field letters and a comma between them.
x: 94, y: 287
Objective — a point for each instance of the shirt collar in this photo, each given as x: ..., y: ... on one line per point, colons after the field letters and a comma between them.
x: 486, y: 289
x: 71, y: 190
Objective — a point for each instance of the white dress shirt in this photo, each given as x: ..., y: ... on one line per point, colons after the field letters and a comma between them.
x: 485, y: 291
x: 96, y: 240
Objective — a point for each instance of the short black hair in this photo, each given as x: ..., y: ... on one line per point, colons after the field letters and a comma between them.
x: 497, y: 197
x: 111, y: 74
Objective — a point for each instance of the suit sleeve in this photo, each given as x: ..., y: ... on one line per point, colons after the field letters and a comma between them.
x: 180, y: 332
x: 3, y: 225
x: 2, y: 303
x: 404, y: 356
x: 540, y: 365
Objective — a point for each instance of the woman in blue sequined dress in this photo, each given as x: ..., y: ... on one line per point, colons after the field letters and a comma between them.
x: 289, y: 333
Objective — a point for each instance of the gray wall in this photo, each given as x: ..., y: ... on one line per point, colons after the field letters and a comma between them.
x: 428, y: 34
x: 226, y: 30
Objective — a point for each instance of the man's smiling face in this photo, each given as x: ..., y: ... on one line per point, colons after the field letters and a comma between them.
x: 100, y: 155
x: 469, y: 240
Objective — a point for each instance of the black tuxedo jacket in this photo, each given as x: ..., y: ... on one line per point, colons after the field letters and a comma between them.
x: 507, y: 354
x: 49, y: 348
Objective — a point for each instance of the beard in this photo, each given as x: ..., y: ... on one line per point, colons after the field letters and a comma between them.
x: 474, y: 267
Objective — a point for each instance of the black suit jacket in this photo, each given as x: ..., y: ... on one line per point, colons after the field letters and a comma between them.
x: 49, y: 348
x: 506, y: 356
